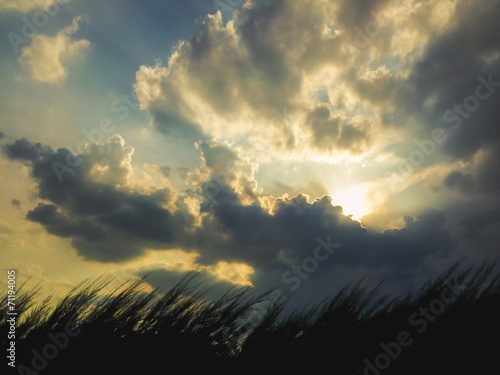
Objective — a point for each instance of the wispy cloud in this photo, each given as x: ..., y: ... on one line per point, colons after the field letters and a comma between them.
x: 27, y: 5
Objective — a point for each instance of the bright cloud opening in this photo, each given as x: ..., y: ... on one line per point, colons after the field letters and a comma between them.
x: 354, y: 201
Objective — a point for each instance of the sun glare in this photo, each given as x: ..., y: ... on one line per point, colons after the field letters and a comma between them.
x: 353, y: 201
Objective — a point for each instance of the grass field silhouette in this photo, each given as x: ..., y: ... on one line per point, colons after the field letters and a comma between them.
x: 450, y: 325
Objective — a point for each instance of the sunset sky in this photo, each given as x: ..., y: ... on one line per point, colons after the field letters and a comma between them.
x: 269, y: 143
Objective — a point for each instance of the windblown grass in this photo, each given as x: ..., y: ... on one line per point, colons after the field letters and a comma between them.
x: 132, y: 330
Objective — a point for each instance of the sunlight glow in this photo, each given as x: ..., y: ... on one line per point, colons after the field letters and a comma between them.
x: 353, y: 201
x: 236, y: 273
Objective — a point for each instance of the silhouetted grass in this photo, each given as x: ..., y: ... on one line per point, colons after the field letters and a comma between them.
x: 133, y: 330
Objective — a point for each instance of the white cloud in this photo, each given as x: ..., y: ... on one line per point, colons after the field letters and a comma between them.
x: 293, y: 78
x: 47, y: 57
x: 27, y: 5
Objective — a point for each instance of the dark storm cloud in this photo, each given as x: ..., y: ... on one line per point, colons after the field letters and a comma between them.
x: 324, y: 126
x: 456, y: 83
x: 353, y: 139
x: 109, y: 224
x: 481, y: 179
x: 105, y: 223
x: 171, y: 123
x: 476, y: 223
x: 459, y: 181
x: 63, y: 225
x: 255, y: 26
x: 142, y: 217
x: 479, y: 217
x: 16, y: 203
x: 251, y: 234
x: 25, y: 150
x: 487, y: 176
x: 74, y: 192
x: 225, y: 168
x: 217, y: 157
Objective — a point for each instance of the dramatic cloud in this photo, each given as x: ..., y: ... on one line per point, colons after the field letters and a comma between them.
x: 46, y: 57
x: 256, y: 79
x: 294, y: 77
x: 233, y: 224
x: 276, y: 124
x: 90, y: 200
x: 457, y: 180
x: 257, y: 236
x: 330, y: 132
x: 456, y: 83
x: 222, y: 167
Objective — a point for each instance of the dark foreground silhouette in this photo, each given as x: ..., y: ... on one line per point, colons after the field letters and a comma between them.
x: 450, y: 326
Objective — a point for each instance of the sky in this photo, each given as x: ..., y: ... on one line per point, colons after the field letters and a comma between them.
x: 296, y: 145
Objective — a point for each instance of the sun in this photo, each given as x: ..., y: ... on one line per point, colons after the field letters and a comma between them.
x: 353, y: 201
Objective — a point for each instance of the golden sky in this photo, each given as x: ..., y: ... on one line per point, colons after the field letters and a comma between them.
x: 167, y: 137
